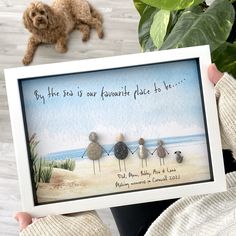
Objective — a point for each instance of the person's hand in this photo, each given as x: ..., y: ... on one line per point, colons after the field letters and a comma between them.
x: 81, y: 223
x: 24, y: 219
x: 214, y: 74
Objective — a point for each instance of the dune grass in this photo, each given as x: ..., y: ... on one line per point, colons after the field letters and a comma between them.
x: 42, y: 169
x: 67, y: 164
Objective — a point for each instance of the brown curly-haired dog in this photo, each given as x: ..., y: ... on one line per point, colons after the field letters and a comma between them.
x: 52, y: 24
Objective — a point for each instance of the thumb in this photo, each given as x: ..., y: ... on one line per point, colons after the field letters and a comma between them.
x: 214, y: 74
x: 24, y: 219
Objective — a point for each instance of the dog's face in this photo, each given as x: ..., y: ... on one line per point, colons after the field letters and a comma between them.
x: 36, y: 16
x: 178, y: 152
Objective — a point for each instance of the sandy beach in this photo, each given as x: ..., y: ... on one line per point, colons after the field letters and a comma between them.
x: 82, y: 182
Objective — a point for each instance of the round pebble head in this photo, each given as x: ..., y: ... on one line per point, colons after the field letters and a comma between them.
x: 93, y: 137
x: 141, y: 141
x: 120, y: 138
x: 160, y: 142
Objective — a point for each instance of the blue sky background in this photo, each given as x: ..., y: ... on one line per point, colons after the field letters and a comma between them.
x: 64, y: 123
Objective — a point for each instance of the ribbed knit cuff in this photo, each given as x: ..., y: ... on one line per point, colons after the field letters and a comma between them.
x: 226, y: 99
x: 226, y: 84
x: 79, y: 224
x: 209, y: 214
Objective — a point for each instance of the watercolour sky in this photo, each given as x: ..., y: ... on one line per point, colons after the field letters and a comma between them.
x: 64, y: 122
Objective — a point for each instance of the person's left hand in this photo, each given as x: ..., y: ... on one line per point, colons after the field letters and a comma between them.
x: 24, y: 219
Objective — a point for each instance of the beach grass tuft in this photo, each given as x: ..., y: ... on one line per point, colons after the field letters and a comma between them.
x: 42, y: 169
x: 46, y: 171
x: 68, y: 164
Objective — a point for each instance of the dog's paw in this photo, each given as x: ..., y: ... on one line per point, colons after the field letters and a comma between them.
x: 26, y: 61
x: 61, y: 49
x: 101, y: 34
x: 85, y: 37
x: 100, y: 18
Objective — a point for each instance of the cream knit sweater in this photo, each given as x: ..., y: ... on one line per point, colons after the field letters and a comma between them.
x: 79, y: 224
x: 212, y: 214
x: 226, y: 98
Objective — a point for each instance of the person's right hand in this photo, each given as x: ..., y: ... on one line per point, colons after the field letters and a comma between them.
x: 214, y: 74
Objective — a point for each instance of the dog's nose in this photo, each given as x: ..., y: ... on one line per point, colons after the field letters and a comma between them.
x: 40, y: 20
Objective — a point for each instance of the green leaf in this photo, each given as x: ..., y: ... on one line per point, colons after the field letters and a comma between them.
x: 195, y: 27
x: 144, y: 28
x: 174, y: 16
x: 232, y: 36
x: 225, y: 58
x: 140, y: 6
x: 159, y: 27
x: 172, y: 4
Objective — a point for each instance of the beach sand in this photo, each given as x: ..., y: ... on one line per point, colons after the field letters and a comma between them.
x: 82, y: 182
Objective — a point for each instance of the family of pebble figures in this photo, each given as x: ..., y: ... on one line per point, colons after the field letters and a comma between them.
x: 121, y: 151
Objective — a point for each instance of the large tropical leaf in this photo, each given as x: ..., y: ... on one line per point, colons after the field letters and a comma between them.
x: 225, y: 58
x: 198, y: 28
x: 232, y: 36
x: 174, y: 16
x: 159, y: 27
x: 140, y: 6
x: 172, y: 4
x: 144, y: 28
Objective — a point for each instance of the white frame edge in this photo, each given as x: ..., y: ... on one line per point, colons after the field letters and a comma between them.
x: 13, y: 75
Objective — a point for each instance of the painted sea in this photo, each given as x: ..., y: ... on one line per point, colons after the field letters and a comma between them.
x: 151, y: 144
x: 129, y: 174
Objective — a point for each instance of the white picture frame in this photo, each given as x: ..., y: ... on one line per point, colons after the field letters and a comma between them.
x: 16, y: 85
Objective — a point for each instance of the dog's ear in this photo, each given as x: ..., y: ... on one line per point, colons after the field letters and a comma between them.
x: 27, y: 21
x: 52, y: 19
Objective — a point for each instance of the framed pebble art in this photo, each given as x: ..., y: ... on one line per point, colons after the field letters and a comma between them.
x: 115, y: 131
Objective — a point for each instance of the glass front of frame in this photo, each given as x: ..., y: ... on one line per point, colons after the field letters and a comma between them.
x: 162, y: 103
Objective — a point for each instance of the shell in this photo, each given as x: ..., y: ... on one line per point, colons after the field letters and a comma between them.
x: 120, y: 138
x: 142, y: 152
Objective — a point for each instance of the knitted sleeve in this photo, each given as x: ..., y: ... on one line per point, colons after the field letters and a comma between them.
x: 79, y: 224
x: 201, y: 215
x: 226, y: 99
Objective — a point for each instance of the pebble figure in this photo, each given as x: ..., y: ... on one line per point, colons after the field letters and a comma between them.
x: 161, y: 152
x: 142, y: 151
x: 94, y: 150
x: 121, y: 150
